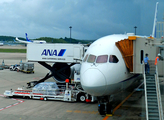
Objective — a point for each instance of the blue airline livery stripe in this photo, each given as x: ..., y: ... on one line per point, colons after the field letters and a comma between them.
x: 62, y: 51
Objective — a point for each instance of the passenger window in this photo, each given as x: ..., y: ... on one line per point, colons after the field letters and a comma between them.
x: 113, y: 59
x: 85, y: 58
x: 91, y: 58
x: 102, y: 59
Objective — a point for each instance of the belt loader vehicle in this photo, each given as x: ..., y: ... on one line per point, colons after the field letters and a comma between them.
x: 49, y: 91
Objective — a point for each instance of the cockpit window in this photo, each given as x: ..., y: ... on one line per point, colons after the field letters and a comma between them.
x: 102, y: 59
x: 91, y: 58
x: 113, y: 59
x: 85, y: 58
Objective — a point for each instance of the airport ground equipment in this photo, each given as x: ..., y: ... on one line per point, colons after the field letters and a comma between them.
x: 64, y: 64
x: 14, y: 67
x: 26, y: 67
x: 50, y: 91
x: 3, y: 66
x: 153, y: 102
x: 65, y: 58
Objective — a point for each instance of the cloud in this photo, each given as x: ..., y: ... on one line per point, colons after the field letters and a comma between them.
x: 89, y: 19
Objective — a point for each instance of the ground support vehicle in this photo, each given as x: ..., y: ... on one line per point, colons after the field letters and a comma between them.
x: 61, y: 92
x: 14, y: 67
x: 3, y: 66
x: 26, y: 67
x: 66, y: 59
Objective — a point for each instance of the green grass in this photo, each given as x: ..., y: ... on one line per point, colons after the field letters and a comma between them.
x: 13, y: 50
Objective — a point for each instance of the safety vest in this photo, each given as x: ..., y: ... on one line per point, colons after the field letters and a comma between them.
x: 156, y: 60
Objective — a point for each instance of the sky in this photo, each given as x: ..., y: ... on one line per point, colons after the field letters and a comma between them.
x: 89, y: 19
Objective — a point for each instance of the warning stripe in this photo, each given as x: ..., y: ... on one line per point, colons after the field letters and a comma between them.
x: 21, y: 93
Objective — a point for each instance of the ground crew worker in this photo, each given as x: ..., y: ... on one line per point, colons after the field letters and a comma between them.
x: 157, y: 58
x: 146, y: 61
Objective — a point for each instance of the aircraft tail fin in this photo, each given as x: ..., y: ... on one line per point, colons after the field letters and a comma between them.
x: 155, y: 21
x: 27, y: 38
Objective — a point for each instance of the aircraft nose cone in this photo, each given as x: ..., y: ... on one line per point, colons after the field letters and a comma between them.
x: 93, y: 82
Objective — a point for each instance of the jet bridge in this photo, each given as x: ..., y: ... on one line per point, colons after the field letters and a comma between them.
x: 134, y: 49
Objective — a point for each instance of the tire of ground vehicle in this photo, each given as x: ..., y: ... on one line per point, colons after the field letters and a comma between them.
x: 81, y: 97
x: 45, y: 98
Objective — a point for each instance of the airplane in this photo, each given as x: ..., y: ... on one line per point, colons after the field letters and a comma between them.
x: 1, y: 44
x: 103, y: 70
x: 30, y: 41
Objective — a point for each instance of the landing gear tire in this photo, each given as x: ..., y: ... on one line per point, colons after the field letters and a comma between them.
x: 81, y: 97
x: 108, y: 108
x: 101, y: 109
x: 104, y: 109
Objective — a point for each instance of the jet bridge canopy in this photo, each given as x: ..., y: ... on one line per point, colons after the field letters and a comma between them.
x: 126, y: 48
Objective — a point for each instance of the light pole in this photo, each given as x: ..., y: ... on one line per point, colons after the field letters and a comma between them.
x: 135, y: 29
x: 70, y: 33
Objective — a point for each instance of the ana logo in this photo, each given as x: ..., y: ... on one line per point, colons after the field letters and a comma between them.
x: 48, y: 52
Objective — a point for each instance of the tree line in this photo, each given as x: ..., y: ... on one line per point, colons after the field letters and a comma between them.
x: 48, y: 40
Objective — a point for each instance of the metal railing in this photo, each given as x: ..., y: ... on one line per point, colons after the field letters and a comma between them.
x: 158, y: 95
x: 143, y: 68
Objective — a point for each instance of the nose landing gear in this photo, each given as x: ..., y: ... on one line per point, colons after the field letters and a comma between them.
x: 104, y: 107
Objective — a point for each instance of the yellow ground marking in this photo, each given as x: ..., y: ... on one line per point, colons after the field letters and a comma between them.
x: 119, y: 105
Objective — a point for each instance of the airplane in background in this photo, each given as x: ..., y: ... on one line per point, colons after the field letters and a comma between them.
x: 30, y: 41
x: 1, y: 44
x: 103, y: 69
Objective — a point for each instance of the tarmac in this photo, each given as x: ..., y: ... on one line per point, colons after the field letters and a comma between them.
x: 29, y: 109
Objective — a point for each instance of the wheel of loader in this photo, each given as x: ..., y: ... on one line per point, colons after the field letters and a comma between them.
x: 81, y: 97
x: 45, y: 98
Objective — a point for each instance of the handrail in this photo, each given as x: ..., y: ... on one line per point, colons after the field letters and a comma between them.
x: 158, y: 95
x: 143, y: 68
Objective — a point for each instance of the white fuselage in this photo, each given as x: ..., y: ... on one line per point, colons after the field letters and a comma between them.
x: 105, y: 78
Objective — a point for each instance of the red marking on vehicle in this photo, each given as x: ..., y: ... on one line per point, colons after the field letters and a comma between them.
x: 37, y: 94
x: 21, y: 93
x: 41, y: 98
x: 88, y: 100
